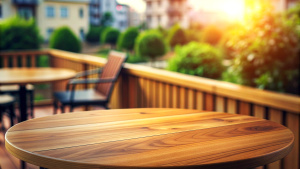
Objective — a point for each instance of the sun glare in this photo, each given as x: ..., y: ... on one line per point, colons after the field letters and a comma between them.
x: 234, y: 9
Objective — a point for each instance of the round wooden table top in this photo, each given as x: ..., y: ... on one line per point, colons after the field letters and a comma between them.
x: 34, y: 75
x: 149, y: 138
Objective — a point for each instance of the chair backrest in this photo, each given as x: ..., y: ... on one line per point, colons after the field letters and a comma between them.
x: 111, y: 70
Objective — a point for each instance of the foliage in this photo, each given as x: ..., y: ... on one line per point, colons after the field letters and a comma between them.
x: 266, y: 52
x: 199, y: 59
x: 110, y: 36
x: 18, y: 33
x: 94, y: 33
x: 127, y: 39
x: 176, y: 36
x: 107, y: 19
x: 162, y: 31
x: 212, y: 35
x: 64, y: 39
x: 150, y: 44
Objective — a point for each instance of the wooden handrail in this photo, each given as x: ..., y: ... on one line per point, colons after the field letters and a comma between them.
x: 283, y: 101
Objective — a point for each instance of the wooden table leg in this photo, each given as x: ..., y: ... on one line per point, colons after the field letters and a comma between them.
x: 23, y: 102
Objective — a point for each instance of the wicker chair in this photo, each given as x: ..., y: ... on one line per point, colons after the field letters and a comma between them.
x: 100, y: 94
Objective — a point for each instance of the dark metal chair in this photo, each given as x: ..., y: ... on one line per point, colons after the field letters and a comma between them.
x: 98, y: 96
x: 14, y: 90
x: 7, y: 106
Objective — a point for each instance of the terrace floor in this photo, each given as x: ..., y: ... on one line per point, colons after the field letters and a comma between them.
x: 8, y: 161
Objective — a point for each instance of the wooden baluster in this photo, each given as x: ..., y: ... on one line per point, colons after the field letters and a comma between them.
x: 231, y: 106
x: 191, y: 99
x: 209, y: 102
x: 293, y: 123
x: 259, y: 112
x: 200, y: 100
x: 32, y: 61
x: 5, y: 61
x: 168, y: 97
x: 142, y: 92
x: 182, y: 97
x: 220, y: 104
x: 24, y: 60
x: 161, y: 95
x: 244, y: 108
x: 132, y: 92
x: 276, y: 116
x: 15, y: 61
x: 175, y: 94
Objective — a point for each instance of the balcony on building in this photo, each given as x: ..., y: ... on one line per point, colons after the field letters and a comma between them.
x: 25, y: 2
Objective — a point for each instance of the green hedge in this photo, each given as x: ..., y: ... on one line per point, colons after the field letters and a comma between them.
x: 127, y: 39
x: 64, y: 39
x: 176, y: 36
x: 199, y: 59
x: 94, y: 34
x: 18, y: 33
x: 150, y: 44
x: 110, y: 36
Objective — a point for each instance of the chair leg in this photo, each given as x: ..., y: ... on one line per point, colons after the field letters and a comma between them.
x: 31, y: 95
x: 62, y: 107
x: 71, y: 108
x: 55, y: 106
x: 12, y: 114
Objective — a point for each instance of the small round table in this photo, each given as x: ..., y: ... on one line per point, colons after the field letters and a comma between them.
x: 149, y: 138
x: 23, y: 76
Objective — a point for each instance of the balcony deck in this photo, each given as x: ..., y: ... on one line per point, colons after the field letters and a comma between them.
x: 140, y: 87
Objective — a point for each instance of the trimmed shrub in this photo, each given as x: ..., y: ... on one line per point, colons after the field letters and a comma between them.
x: 18, y: 33
x: 212, y: 35
x: 110, y: 36
x: 94, y: 34
x: 199, y: 59
x: 176, y: 36
x: 127, y: 39
x: 64, y: 39
x: 150, y: 44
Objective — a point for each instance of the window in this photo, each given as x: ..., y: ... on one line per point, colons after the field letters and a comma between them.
x: 25, y: 12
x: 49, y: 32
x: 0, y: 11
x: 50, y: 12
x: 81, y: 13
x: 82, y: 35
x: 64, y: 12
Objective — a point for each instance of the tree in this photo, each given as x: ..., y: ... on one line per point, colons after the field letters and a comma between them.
x: 211, y: 34
x: 107, y: 19
x: 18, y: 33
x: 199, y: 59
x: 94, y: 34
x: 176, y: 36
x: 127, y: 39
x: 150, y: 44
x: 266, y: 51
x: 110, y: 36
x: 64, y: 39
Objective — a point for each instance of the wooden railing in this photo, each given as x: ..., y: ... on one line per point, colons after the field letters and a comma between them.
x: 140, y: 86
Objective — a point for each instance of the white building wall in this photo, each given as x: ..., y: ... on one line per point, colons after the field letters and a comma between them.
x: 8, y: 9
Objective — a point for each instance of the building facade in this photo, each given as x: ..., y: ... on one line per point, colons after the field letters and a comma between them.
x: 50, y: 14
x: 166, y: 13
x: 118, y: 11
x: 56, y: 13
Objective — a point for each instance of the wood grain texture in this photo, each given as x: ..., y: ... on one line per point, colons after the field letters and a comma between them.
x: 34, y: 75
x: 149, y: 138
